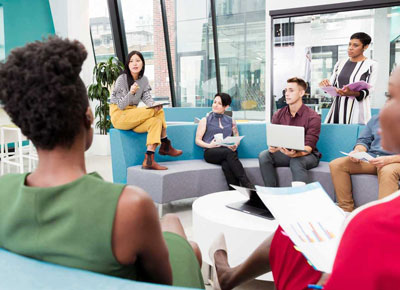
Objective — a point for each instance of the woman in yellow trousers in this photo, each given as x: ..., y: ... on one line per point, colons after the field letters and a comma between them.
x: 131, y: 87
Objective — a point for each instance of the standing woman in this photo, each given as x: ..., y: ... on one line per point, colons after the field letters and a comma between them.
x: 352, y: 107
x: 131, y: 87
x: 216, y: 123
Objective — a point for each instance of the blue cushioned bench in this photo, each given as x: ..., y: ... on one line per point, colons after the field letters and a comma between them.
x: 189, y: 176
x: 18, y: 272
x: 179, y: 114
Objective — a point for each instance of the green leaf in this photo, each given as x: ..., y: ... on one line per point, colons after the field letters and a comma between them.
x: 104, y: 74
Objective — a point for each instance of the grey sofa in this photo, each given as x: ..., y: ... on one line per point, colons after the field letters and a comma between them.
x: 194, y: 178
x: 190, y: 176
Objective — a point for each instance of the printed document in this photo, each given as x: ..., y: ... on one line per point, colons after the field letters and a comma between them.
x: 229, y: 141
x: 356, y: 86
x: 363, y: 156
x: 310, y: 218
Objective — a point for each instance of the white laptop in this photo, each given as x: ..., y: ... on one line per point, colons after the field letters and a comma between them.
x: 289, y: 137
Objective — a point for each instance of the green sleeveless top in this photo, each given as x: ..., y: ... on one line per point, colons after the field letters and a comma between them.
x: 70, y: 225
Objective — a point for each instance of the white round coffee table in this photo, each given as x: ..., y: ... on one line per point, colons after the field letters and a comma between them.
x: 243, y: 232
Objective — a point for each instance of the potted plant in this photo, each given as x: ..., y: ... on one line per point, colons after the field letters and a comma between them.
x: 104, y: 75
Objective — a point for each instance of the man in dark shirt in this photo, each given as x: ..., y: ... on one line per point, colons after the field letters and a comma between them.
x: 295, y: 114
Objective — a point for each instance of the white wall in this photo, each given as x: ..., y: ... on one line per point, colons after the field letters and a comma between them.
x: 71, y: 20
x: 278, y: 5
x: 282, y: 64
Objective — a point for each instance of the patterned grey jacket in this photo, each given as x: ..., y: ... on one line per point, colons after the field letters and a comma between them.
x: 122, y: 97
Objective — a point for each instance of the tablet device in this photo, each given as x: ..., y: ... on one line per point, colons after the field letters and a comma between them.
x: 156, y: 104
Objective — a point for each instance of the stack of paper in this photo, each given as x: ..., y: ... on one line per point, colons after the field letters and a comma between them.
x: 363, y: 156
x: 356, y: 86
x: 229, y: 141
x: 310, y: 218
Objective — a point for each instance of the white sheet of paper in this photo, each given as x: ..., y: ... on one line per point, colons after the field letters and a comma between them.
x: 230, y: 140
x: 310, y: 218
x: 363, y: 156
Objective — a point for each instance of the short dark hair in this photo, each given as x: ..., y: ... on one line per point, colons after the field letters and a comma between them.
x: 300, y: 82
x: 42, y: 92
x: 226, y: 99
x: 363, y: 37
x: 128, y: 72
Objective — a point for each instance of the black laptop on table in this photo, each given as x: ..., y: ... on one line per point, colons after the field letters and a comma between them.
x: 253, y: 205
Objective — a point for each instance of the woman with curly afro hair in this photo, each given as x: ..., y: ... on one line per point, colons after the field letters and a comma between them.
x: 61, y: 214
x: 131, y: 87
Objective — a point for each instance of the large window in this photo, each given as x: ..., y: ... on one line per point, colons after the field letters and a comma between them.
x: 2, y: 42
x: 195, y: 61
x: 100, y: 29
x: 241, y: 40
x: 309, y: 47
x: 144, y: 33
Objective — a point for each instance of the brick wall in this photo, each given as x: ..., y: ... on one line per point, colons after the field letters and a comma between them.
x: 161, y: 79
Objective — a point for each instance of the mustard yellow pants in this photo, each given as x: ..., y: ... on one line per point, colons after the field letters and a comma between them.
x: 140, y: 120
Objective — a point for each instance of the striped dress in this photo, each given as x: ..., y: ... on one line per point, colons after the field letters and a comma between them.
x: 352, y: 110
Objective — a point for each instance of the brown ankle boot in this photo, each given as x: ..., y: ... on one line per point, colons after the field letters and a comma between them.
x: 149, y: 163
x: 167, y: 149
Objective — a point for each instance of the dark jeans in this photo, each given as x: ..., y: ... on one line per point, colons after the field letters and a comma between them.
x: 230, y: 163
x: 298, y: 166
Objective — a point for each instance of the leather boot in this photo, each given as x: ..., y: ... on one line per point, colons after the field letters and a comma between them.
x: 149, y: 163
x: 167, y: 149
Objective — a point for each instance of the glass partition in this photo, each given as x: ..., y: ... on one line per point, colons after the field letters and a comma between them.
x: 195, y: 61
x: 394, y: 37
x: 241, y: 41
x: 309, y: 47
